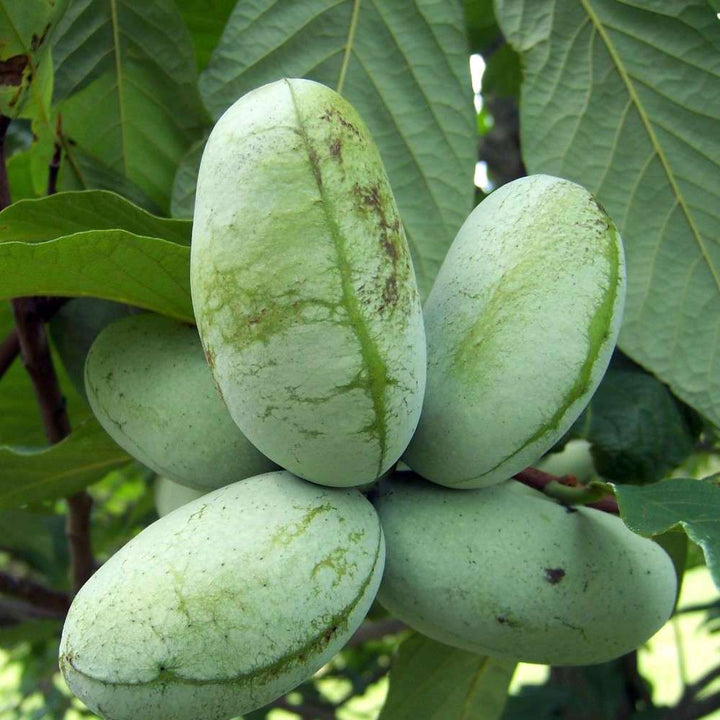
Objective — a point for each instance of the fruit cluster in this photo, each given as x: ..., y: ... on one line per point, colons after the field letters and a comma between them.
x: 313, y: 333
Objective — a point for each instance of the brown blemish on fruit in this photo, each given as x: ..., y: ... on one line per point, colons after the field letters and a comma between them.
x: 336, y: 149
x: 554, y: 575
x: 390, y: 292
x: 371, y: 198
x: 333, y: 113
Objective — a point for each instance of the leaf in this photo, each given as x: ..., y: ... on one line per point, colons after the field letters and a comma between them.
x: 26, y: 70
x: 127, y: 79
x: 80, y: 171
x: 638, y: 430
x: 622, y: 98
x: 87, y: 455
x: 74, y: 328
x: 502, y: 76
x: 404, y: 67
x: 20, y: 176
x: 182, y: 203
x: 692, y: 504
x: 67, y: 213
x: 113, y: 264
x: 482, y: 28
x: 431, y: 681
x: 31, y: 631
x: 37, y: 539
x: 95, y: 243
x: 205, y: 19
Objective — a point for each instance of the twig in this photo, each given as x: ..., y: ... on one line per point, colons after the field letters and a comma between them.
x: 9, y: 350
x: 13, y: 612
x: 10, y: 347
x: 35, y: 351
x: 4, y: 182
x: 54, y: 167
x: 77, y: 530
x: 38, y: 362
x: 695, y: 709
x: 35, y: 594
x: 534, y: 478
x: 692, y: 690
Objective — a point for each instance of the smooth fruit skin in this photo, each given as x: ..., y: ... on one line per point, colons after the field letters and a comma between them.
x: 169, y: 495
x: 574, y: 459
x: 303, y: 288
x: 521, y: 323
x: 225, y: 604
x: 506, y: 571
x: 149, y: 386
x: 75, y: 327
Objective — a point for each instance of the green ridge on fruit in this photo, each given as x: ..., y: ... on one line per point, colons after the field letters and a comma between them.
x: 521, y: 323
x: 303, y: 287
x: 506, y: 571
x: 149, y: 386
x: 226, y: 603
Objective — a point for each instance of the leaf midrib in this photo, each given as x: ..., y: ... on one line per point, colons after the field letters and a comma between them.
x: 624, y: 75
x: 119, y: 74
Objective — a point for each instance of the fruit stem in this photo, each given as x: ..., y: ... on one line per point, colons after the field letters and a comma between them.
x: 597, y: 498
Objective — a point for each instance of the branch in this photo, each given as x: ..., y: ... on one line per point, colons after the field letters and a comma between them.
x: 35, y: 350
x: 35, y: 594
x: 9, y: 350
x: 14, y: 612
x: 534, y: 478
x: 695, y: 709
x: 54, y: 167
x: 4, y: 182
x: 10, y: 347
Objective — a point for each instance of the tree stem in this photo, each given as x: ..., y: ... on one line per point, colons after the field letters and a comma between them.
x: 34, y: 594
x: 35, y: 351
x: 539, y: 480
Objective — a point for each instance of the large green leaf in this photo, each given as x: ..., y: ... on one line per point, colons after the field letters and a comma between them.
x: 182, y: 203
x: 80, y: 171
x: 48, y: 218
x: 95, y: 243
x: 38, y: 539
x: 622, y: 97
x: 403, y: 65
x: 692, y: 504
x: 432, y: 681
x: 87, y: 455
x: 205, y: 19
x: 127, y: 78
x: 113, y: 264
x: 638, y: 430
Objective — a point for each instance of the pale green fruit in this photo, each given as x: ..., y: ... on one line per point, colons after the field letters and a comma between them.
x: 149, y: 386
x: 521, y: 322
x: 303, y: 288
x: 225, y: 604
x: 75, y: 327
x: 170, y: 495
x: 574, y: 459
x: 506, y: 571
